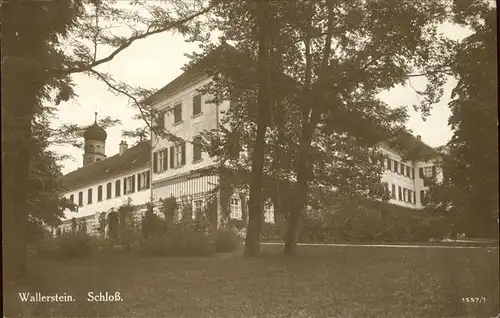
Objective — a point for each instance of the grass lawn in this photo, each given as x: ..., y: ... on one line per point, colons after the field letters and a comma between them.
x: 320, y: 282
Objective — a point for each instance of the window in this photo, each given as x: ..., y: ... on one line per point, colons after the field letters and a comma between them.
x: 97, y: 159
x: 197, y: 104
x: 410, y: 196
x: 235, y: 208
x: 90, y: 159
x: 389, y: 164
x: 268, y: 213
x: 408, y: 171
x: 99, y: 193
x: 400, y: 194
x: 177, y: 113
x: 117, y: 188
x: 422, y: 197
x: 196, y: 149
x: 433, y: 171
x: 108, y: 190
x: 421, y: 173
x: 160, y: 161
x: 402, y: 170
x: 72, y: 198
x: 129, y: 184
x: 143, y: 180
x: 396, y: 165
x: 414, y: 197
x: 394, y: 191
x: 178, y: 155
x: 160, y: 121
x: 80, y: 198
x: 413, y: 173
x: 404, y: 194
x: 197, y: 208
x: 89, y: 196
x: 386, y: 187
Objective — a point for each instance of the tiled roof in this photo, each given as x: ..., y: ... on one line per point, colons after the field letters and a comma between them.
x: 135, y: 157
x: 407, y: 141
x: 194, y: 72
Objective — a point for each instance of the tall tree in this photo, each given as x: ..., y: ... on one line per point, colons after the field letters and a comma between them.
x: 468, y: 194
x: 349, y: 52
x: 252, y: 242
x: 43, y: 43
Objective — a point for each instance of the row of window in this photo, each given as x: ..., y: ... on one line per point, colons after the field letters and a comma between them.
x: 177, y: 110
x: 177, y: 156
x: 401, y: 168
x: 406, y: 195
x: 143, y: 182
x: 236, y: 211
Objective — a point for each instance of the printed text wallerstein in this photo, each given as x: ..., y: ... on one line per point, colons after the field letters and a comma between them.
x: 39, y: 297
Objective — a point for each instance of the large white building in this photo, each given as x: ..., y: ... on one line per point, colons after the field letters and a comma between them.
x: 159, y: 169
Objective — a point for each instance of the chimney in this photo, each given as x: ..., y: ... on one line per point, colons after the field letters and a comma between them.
x: 123, y: 146
x: 419, y: 137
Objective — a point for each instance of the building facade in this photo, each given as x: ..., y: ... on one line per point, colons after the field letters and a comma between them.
x: 161, y: 168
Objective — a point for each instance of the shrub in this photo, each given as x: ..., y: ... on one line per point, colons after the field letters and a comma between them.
x: 373, y: 222
x: 197, y: 244
x: 77, y: 245
x: 182, y: 240
x: 226, y: 240
x: 158, y: 246
x: 270, y: 231
x: 66, y: 246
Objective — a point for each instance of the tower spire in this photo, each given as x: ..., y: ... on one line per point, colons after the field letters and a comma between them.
x: 95, y: 120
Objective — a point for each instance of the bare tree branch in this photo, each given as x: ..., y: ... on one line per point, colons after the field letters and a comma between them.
x: 129, y: 41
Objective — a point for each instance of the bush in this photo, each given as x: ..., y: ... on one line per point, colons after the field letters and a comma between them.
x: 270, y: 232
x: 177, y: 242
x: 66, y: 246
x: 373, y: 222
x: 158, y: 246
x: 226, y: 240
x: 74, y: 245
x: 197, y: 244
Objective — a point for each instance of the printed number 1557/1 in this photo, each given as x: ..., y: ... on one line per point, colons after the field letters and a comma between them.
x: 477, y: 300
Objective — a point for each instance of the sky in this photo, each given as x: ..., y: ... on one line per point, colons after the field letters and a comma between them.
x: 155, y: 61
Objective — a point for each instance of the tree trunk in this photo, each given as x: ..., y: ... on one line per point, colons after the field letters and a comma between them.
x: 304, y: 171
x: 252, y: 242
x: 300, y: 193
x: 16, y: 138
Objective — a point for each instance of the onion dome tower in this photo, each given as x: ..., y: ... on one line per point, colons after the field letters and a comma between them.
x: 95, y: 143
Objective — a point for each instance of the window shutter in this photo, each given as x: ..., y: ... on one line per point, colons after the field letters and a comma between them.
x: 183, y: 147
x: 133, y: 184
x: 124, y: 185
x: 161, y: 119
x: 414, y: 197
x: 421, y: 173
x: 433, y: 171
x: 196, y: 104
x: 165, y: 159
x: 413, y: 173
x: 139, y: 182
x: 148, y: 177
x: 155, y: 162
x: 172, y: 157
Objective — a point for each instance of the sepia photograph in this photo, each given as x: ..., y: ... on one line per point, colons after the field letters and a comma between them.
x: 250, y: 158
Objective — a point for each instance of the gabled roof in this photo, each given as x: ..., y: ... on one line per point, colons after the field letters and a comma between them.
x: 133, y: 158
x: 406, y: 141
